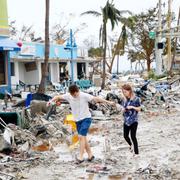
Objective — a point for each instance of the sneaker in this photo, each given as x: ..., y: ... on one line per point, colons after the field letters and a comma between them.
x: 131, y: 149
x: 136, y: 155
x: 78, y: 161
x: 91, y: 159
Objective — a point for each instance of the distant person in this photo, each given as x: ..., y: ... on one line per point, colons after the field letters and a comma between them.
x: 131, y: 107
x: 80, y: 110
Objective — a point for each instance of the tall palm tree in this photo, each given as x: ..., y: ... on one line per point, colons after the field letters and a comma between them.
x: 42, y: 85
x: 108, y: 12
x: 119, y: 47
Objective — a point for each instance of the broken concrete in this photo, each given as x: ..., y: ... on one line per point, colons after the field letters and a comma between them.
x: 44, y: 148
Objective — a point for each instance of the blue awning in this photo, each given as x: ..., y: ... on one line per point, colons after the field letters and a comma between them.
x: 8, y: 45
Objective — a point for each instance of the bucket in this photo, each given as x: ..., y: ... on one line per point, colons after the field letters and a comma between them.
x: 69, y: 120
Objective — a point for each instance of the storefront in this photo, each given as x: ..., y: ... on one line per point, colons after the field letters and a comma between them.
x: 6, y: 45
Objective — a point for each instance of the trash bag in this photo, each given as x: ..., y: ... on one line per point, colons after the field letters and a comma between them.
x: 42, y: 97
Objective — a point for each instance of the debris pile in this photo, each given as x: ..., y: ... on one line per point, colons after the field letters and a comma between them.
x: 30, y: 136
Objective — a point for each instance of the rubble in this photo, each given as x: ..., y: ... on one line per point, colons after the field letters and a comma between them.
x: 43, y: 138
x: 38, y: 106
x: 5, y: 147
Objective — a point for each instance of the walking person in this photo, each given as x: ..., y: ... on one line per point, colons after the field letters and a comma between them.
x: 131, y: 107
x: 79, y: 105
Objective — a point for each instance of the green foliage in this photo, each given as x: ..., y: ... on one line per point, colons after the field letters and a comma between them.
x: 95, y: 52
x: 142, y: 46
x: 108, y: 12
x: 152, y: 75
x: 161, y: 76
x: 119, y: 47
x: 135, y: 55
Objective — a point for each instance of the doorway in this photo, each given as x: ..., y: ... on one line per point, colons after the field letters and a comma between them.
x: 3, y: 68
x: 81, y: 70
x: 63, y: 72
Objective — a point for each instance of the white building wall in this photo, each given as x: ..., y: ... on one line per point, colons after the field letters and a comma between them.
x: 87, y: 69
x: 15, y: 79
x: 54, y: 70
x: 74, y: 69
x: 21, y: 71
x: 32, y: 77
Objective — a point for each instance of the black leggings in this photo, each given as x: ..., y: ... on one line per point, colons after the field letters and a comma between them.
x: 133, y: 129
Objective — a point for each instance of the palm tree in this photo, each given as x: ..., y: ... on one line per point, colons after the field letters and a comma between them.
x: 42, y: 85
x: 108, y: 12
x: 119, y: 47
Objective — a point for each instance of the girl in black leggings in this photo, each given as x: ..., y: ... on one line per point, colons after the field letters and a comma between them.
x: 132, y: 106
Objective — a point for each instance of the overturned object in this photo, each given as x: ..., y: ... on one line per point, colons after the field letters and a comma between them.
x: 38, y: 107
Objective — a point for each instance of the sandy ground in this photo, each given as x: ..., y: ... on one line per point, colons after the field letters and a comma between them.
x: 159, y: 146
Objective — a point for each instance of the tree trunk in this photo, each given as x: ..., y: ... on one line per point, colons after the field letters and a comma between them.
x: 42, y: 85
x: 148, y: 64
x: 112, y: 61
x: 104, y: 55
x: 115, y: 53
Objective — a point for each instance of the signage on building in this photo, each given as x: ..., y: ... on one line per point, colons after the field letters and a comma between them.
x: 8, y: 49
x: 28, y: 50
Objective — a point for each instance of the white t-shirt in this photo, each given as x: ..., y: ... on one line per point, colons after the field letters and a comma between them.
x: 79, y: 105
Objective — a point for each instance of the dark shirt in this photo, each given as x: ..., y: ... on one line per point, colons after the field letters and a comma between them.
x: 131, y: 115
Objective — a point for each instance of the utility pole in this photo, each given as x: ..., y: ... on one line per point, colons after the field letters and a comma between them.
x: 175, y: 45
x: 158, y: 50
x: 169, y: 37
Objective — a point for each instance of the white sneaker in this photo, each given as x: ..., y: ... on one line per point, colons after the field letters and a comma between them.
x: 136, y: 156
x: 131, y: 149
